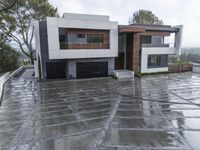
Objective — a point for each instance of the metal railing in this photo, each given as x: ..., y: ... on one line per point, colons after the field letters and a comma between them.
x: 158, y: 45
x: 83, y: 45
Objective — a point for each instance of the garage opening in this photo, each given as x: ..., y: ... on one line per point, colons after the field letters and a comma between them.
x: 56, y: 70
x: 91, y: 69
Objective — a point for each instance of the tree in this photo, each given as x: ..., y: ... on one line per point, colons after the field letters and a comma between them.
x: 9, y: 58
x: 5, y: 5
x: 17, y: 23
x: 144, y: 17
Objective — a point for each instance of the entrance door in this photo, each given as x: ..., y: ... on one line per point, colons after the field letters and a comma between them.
x: 56, y: 70
x: 91, y: 69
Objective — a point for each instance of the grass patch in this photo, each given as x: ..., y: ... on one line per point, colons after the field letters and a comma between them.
x: 155, y: 73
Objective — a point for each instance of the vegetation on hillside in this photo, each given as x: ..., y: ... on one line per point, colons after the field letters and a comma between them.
x: 9, y: 58
x: 185, y: 58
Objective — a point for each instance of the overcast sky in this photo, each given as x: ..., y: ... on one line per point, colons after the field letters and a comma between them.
x: 172, y: 12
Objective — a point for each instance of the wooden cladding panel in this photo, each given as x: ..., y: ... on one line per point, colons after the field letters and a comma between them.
x: 155, y: 33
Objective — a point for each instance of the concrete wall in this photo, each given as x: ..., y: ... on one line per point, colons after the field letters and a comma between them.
x: 3, y: 79
x: 81, y: 22
x: 178, y: 39
x: 37, y: 46
x: 154, y: 51
x: 72, y: 65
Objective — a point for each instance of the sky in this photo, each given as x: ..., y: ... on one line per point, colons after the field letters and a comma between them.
x: 172, y: 12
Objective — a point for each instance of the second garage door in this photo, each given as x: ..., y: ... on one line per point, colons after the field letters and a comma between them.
x: 91, y: 69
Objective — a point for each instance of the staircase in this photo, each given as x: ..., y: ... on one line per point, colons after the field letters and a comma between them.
x: 123, y: 74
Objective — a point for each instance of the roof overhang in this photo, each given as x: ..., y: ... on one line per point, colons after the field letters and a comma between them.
x: 144, y: 28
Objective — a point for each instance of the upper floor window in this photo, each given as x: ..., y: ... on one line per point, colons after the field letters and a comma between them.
x: 95, y: 38
x: 83, y: 38
x: 146, y: 39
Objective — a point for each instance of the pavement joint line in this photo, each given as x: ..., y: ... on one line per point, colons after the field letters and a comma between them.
x: 87, y: 112
x: 78, y: 112
x: 78, y: 107
x: 46, y: 112
x: 50, y: 102
x: 120, y: 147
x: 107, y: 125
x: 73, y: 122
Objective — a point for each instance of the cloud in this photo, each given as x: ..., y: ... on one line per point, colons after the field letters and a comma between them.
x: 173, y: 12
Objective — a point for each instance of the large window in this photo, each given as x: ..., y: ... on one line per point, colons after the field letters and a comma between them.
x: 83, y: 38
x: 146, y: 39
x: 155, y: 61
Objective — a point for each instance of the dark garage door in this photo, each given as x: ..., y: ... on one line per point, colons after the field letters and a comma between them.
x: 91, y: 69
x: 56, y: 70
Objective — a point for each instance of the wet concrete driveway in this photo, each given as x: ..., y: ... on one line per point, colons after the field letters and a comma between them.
x: 160, y: 112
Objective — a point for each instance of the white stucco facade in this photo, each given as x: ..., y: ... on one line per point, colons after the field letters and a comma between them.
x: 154, y: 51
x: 80, y: 21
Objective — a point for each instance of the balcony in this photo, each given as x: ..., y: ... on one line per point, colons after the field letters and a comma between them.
x: 156, y: 45
x: 79, y: 45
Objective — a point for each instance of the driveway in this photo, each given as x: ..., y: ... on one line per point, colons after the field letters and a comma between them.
x: 159, y: 112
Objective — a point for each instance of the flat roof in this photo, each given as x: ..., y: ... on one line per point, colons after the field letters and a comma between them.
x: 85, y: 17
x: 147, y: 27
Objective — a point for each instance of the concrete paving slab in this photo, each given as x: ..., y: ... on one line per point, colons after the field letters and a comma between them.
x: 158, y: 112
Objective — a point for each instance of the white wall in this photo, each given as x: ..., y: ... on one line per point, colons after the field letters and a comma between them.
x: 37, y: 47
x: 54, y: 23
x: 3, y: 79
x: 154, y: 51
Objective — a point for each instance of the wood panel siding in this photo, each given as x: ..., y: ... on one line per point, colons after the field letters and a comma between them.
x: 136, y: 52
x: 155, y: 33
x: 131, y: 29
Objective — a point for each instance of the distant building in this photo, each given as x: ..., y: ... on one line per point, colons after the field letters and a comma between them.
x: 85, y: 46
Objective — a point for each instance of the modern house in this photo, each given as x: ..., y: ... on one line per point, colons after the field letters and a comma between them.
x: 144, y: 49
x: 76, y: 46
x: 85, y: 46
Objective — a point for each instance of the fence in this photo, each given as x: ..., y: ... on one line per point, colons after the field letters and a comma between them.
x: 175, y: 68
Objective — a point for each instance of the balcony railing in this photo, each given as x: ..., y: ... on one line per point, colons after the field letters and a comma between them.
x: 155, y: 45
x: 79, y: 45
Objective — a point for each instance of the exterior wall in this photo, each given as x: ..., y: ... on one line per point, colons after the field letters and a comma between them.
x: 81, y: 22
x: 154, y: 51
x: 178, y: 39
x: 37, y: 46
x: 44, y: 58
x: 72, y: 65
